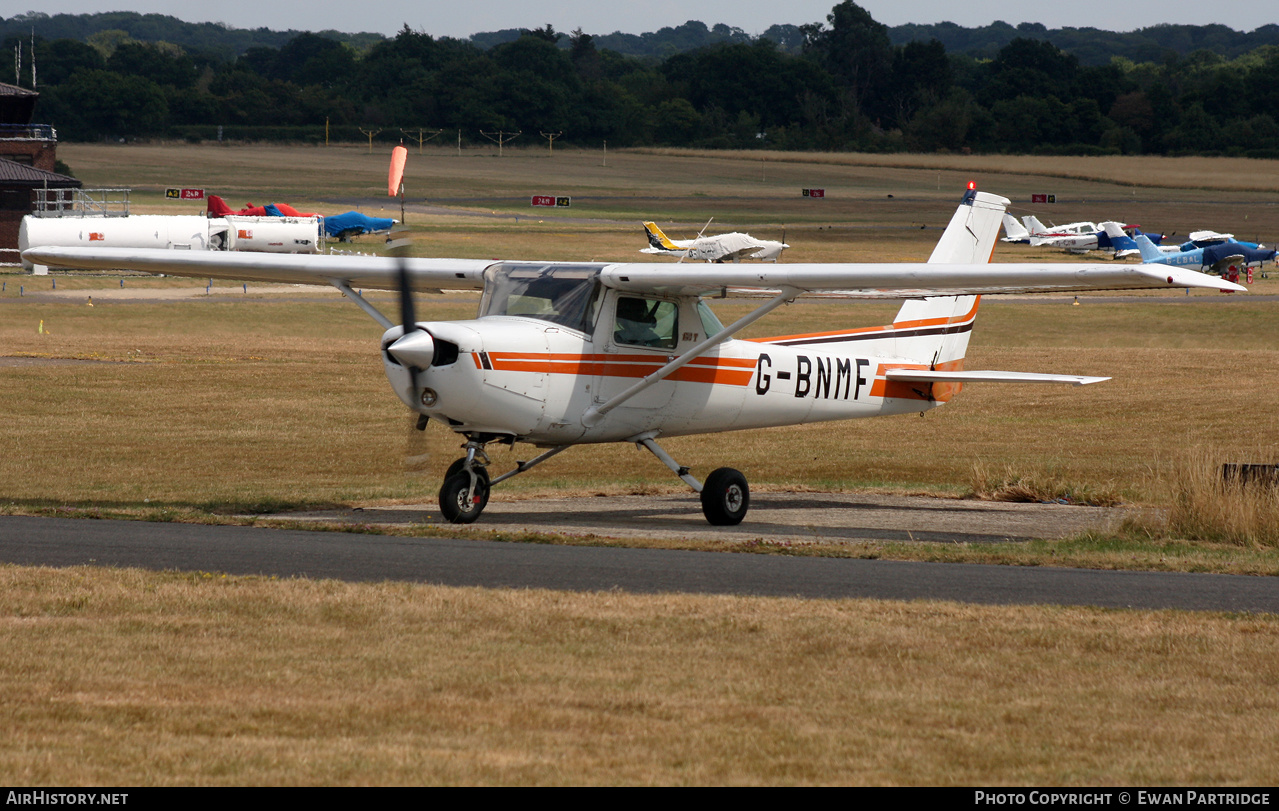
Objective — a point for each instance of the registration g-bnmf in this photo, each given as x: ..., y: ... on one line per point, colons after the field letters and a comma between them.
x: 567, y: 353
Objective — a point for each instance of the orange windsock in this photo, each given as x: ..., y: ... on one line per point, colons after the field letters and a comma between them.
x: 398, y: 156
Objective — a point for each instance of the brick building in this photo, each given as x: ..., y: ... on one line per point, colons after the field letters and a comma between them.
x: 28, y: 156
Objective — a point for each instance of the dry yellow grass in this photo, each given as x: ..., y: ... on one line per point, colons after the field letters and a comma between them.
x: 128, y: 678
x: 1223, y: 174
x: 1203, y: 504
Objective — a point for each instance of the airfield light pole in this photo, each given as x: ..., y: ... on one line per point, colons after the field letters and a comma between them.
x: 422, y: 137
x: 501, y: 138
x: 550, y: 140
x: 370, y: 133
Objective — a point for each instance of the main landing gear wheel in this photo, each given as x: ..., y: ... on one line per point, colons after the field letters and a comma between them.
x: 460, y: 503
x: 725, y: 497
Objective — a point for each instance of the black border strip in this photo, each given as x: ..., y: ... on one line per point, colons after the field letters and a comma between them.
x: 910, y: 333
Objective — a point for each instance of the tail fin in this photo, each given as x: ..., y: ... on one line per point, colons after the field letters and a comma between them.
x: 974, y: 227
x: 1120, y: 241
x: 1149, y: 253
x: 935, y: 330
x: 1033, y: 225
x: 1014, y: 231
x: 217, y: 207
x: 657, y: 239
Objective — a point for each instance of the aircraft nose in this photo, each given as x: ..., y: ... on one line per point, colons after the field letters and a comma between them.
x: 415, y: 349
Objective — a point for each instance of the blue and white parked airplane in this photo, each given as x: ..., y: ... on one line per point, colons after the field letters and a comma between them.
x: 1214, y: 257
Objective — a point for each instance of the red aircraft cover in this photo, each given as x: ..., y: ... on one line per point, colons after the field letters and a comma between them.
x: 217, y: 207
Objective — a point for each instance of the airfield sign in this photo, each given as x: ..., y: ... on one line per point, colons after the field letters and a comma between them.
x: 184, y: 194
x: 1043, y: 198
x: 547, y: 201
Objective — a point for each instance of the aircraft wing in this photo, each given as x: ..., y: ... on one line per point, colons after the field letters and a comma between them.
x: 1226, y: 261
x: 891, y: 280
x: 901, y: 279
x: 372, y: 272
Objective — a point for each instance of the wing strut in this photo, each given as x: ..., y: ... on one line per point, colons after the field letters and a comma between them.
x: 363, y: 305
x: 592, y: 416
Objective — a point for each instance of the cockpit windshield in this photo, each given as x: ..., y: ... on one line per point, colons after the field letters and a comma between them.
x: 567, y: 295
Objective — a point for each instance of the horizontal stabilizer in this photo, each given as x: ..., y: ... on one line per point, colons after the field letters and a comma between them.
x: 929, y: 376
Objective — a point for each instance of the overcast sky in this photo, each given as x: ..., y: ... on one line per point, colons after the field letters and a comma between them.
x: 459, y: 19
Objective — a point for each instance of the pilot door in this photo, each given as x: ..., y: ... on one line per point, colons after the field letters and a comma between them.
x: 638, y: 335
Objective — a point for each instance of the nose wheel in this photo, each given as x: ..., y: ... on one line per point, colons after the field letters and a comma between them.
x: 464, y: 494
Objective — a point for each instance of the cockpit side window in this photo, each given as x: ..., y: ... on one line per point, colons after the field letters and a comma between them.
x: 569, y: 296
x: 646, y: 322
x: 711, y: 325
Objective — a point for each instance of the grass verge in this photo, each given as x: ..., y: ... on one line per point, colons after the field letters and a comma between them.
x: 1206, y: 505
x: 123, y: 677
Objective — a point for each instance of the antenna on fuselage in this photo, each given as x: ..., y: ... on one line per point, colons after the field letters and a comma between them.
x: 699, y: 236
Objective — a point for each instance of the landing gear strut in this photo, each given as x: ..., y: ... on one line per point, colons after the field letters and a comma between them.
x: 465, y: 492
x: 725, y: 496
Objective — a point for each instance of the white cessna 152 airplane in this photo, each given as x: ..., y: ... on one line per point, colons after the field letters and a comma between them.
x: 566, y: 353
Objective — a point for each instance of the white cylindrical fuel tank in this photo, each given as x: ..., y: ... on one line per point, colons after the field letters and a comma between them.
x: 274, y: 234
x: 177, y: 232
x: 138, y: 231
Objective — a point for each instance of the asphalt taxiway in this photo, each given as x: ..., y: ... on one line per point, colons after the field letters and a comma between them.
x: 352, y: 556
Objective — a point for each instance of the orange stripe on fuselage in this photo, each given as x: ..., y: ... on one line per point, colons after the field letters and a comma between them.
x: 911, y: 390
x: 727, y: 371
x: 896, y: 325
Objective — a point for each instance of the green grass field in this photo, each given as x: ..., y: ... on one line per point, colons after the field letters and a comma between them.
x: 264, y: 399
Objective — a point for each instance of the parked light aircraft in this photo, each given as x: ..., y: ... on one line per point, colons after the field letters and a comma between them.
x: 1075, y: 237
x: 1205, y: 239
x: 1215, y: 256
x: 1202, y: 238
x: 566, y: 353
x: 719, y: 248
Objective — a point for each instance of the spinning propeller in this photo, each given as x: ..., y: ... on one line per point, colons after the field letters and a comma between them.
x: 414, y: 350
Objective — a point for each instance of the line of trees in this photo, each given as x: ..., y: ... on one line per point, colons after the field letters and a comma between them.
x: 843, y: 85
